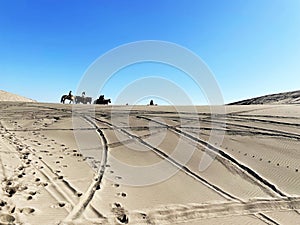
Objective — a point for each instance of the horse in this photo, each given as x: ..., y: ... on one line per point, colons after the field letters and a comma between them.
x: 102, y: 101
x: 68, y: 97
x: 84, y: 100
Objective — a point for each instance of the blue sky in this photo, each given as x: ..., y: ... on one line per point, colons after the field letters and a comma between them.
x: 251, y: 46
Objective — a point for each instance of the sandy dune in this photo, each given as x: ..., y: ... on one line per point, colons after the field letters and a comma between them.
x: 292, y: 97
x: 61, y: 165
x: 7, y: 96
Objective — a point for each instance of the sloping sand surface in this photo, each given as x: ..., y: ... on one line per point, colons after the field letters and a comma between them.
x: 292, y: 97
x: 65, y: 164
x: 6, y: 96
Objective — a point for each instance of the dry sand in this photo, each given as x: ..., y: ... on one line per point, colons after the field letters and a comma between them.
x: 10, y: 97
x: 55, y: 172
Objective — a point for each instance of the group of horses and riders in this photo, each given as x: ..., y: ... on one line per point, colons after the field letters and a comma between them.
x: 83, y: 99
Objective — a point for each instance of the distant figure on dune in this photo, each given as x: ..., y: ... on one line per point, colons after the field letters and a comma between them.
x: 152, y: 102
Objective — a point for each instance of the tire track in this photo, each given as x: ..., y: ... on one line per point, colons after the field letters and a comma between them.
x: 172, y: 161
x: 66, y: 192
x: 258, y: 130
x: 253, y: 175
x: 167, y: 214
x: 275, y: 132
x: 94, y: 186
x: 223, y: 154
x: 77, y: 207
x: 149, y: 146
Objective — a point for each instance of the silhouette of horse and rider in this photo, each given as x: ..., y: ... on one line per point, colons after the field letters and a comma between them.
x: 82, y: 99
x: 67, y: 97
x: 102, y: 101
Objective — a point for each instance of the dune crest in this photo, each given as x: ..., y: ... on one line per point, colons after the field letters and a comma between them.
x: 292, y: 97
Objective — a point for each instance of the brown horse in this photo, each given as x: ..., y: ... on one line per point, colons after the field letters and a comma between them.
x: 67, y: 97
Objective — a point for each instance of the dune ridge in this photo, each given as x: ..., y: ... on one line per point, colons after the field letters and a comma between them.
x: 292, y: 97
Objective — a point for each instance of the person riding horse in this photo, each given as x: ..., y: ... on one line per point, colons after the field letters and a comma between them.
x: 102, y: 101
x: 69, y: 97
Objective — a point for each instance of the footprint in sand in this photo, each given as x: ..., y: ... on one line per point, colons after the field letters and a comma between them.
x: 143, y: 215
x: 27, y: 211
x: 120, y: 213
x: 61, y: 204
x: 10, y: 191
x: 32, y: 193
x: 122, y: 194
x: 116, y: 185
x: 7, y: 219
x: 3, y: 203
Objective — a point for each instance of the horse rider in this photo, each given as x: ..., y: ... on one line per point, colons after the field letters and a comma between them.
x: 70, y: 94
x: 83, y: 94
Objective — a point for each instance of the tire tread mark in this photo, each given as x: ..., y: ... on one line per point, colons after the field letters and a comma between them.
x: 224, y: 155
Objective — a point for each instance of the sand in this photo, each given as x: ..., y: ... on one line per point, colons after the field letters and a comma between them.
x: 66, y: 164
x: 10, y: 97
x: 291, y: 97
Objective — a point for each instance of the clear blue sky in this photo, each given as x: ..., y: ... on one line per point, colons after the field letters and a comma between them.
x: 251, y: 46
